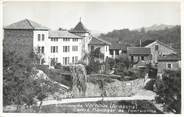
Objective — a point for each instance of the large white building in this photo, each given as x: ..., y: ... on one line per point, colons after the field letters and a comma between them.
x: 61, y: 46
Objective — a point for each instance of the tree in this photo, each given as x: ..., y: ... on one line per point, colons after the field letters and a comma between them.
x: 94, y: 60
x: 19, y: 83
x: 79, y: 80
x: 16, y: 72
x: 168, y: 90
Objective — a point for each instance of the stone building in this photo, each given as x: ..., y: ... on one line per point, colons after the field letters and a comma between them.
x: 158, y: 48
x: 168, y: 62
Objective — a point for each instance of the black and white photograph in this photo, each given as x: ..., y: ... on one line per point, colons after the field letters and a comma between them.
x: 91, y: 57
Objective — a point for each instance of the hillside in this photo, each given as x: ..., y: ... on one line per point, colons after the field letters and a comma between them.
x: 156, y: 27
x: 170, y: 36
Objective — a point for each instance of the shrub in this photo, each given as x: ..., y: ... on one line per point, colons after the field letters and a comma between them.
x: 149, y: 84
x: 58, y: 66
x: 169, y: 90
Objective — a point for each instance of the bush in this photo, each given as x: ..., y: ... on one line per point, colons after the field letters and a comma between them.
x: 169, y: 90
x: 66, y: 68
x: 89, y: 70
x: 149, y: 84
x: 58, y: 66
x: 120, y: 69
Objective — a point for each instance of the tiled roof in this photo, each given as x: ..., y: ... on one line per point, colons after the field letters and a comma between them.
x: 97, y: 41
x: 62, y: 33
x: 80, y: 28
x: 170, y: 57
x: 147, y: 42
x: 138, y: 51
x: 26, y: 25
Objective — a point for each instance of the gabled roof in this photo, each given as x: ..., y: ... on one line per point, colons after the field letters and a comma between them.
x: 26, y: 25
x: 79, y: 28
x: 138, y: 51
x: 147, y: 42
x: 97, y: 41
x: 61, y: 34
x: 170, y: 57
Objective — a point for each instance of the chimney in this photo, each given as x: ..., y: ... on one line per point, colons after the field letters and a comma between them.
x: 140, y: 43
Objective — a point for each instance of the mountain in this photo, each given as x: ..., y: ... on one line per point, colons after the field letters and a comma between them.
x: 156, y: 27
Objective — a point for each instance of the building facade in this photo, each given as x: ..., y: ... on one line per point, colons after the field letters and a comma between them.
x: 168, y: 62
x: 22, y: 37
x: 139, y: 56
x: 158, y: 48
x: 61, y: 46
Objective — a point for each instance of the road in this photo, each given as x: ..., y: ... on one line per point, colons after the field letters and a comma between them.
x: 76, y: 100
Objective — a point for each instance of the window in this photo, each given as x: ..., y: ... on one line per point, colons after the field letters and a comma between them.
x: 66, y: 60
x: 40, y: 49
x: 74, y: 48
x: 54, y: 39
x: 116, y: 52
x: 73, y: 59
x: 54, y: 49
x: 92, y: 48
x: 75, y: 40
x: 66, y: 39
x: 111, y: 52
x: 156, y: 47
x: 142, y: 57
x: 43, y: 37
x: 76, y: 59
x: 39, y: 37
x: 169, y: 66
x: 66, y: 48
x: 132, y: 58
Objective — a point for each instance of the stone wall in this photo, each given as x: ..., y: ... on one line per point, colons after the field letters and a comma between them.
x: 20, y: 41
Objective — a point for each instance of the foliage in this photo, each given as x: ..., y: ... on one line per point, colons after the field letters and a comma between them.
x: 58, y: 66
x: 16, y: 72
x: 171, y: 35
x: 79, y: 80
x: 168, y: 90
x: 19, y: 85
x: 122, y: 65
x: 123, y: 58
x: 94, y: 58
x: 111, y: 62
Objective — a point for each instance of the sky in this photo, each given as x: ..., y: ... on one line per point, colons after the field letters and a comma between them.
x: 98, y: 16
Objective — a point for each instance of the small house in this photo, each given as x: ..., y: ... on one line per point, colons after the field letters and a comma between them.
x: 168, y: 62
x: 158, y: 48
x: 139, y: 56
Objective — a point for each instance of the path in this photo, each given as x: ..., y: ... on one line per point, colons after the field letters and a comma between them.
x: 76, y: 100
